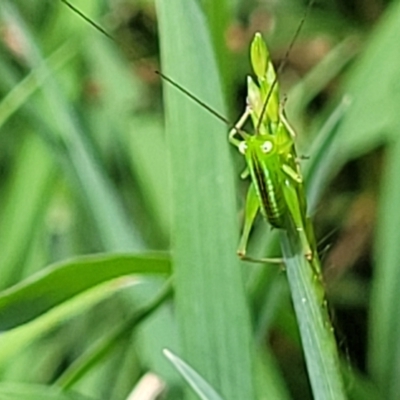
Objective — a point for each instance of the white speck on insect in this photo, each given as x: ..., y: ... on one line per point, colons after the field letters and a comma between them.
x: 304, y: 300
x: 266, y: 147
x: 242, y: 147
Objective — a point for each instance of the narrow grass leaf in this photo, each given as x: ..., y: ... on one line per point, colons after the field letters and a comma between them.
x: 316, y: 331
x: 15, y: 340
x: 59, y: 282
x: 196, y: 382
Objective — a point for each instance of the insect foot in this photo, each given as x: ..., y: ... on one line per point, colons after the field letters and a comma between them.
x: 241, y: 253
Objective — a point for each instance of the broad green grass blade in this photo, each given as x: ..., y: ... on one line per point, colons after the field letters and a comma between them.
x: 210, y: 299
x: 57, y: 283
x: 219, y: 13
x: 196, y: 382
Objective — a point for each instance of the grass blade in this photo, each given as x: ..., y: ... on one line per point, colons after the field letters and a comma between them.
x: 197, y: 383
x: 316, y: 332
x: 15, y: 341
x: 210, y: 297
x: 59, y: 282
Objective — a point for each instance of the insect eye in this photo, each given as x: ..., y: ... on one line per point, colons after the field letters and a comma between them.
x: 266, y: 147
x: 242, y: 147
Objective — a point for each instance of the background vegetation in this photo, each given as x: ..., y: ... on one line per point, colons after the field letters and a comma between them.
x: 98, y: 202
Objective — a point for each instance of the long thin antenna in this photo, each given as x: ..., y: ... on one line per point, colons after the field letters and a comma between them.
x: 87, y: 19
x: 283, y: 63
x: 194, y: 98
x: 166, y: 78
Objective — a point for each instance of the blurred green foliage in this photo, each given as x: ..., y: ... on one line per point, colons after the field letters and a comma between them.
x: 85, y: 168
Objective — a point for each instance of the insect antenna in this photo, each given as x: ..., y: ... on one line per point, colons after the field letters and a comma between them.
x: 162, y: 75
x: 87, y: 19
x: 283, y: 64
x: 194, y: 98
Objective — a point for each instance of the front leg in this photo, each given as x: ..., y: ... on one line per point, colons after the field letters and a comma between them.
x: 236, y: 130
x: 284, y: 121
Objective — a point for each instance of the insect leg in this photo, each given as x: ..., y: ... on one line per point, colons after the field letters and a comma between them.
x: 252, y: 207
x: 264, y: 260
x: 246, y: 173
x: 292, y: 173
x: 238, y: 126
x: 298, y: 218
x: 284, y: 121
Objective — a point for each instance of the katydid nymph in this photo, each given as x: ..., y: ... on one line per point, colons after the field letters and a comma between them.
x: 276, y: 187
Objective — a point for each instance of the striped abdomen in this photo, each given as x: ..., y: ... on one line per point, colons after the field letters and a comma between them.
x: 269, y: 191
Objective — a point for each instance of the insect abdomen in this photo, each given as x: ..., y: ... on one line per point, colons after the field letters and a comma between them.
x: 272, y: 202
